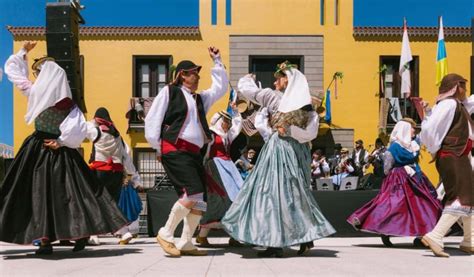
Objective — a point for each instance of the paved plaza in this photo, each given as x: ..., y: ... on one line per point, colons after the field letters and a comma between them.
x: 330, y: 257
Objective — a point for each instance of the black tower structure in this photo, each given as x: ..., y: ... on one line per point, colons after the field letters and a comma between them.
x: 62, y: 40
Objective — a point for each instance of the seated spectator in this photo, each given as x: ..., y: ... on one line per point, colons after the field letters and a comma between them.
x: 360, y: 157
x: 335, y: 159
x: 245, y: 163
x: 374, y: 180
x: 376, y: 158
x: 319, y: 165
x: 343, y: 169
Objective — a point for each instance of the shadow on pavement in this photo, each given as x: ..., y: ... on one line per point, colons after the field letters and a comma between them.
x: 250, y: 253
x: 454, y: 252
x: 60, y: 254
x: 395, y: 245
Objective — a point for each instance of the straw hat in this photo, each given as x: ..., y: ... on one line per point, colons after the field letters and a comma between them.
x: 242, y: 105
x: 40, y: 61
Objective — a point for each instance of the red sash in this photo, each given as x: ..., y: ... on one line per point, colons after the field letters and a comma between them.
x: 109, y: 165
x: 181, y: 145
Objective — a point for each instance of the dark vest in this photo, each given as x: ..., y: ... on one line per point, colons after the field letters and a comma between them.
x: 457, y: 137
x: 361, y: 160
x: 176, y: 115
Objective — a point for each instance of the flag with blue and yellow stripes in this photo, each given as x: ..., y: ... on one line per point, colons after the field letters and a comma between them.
x: 441, y: 57
x: 327, y: 105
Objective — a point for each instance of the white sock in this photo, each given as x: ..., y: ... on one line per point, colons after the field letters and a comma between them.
x: 468, y: 228
x: 204, y: 232
x: 442, y: 227
x: 191, y: 222
x: 127, y: 236
x: 134, y: 227
x: 94, y: 240
x: 178, y: 212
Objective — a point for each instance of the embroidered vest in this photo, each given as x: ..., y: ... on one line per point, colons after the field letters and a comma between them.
x: 49, y: 120
x: 457, y: 137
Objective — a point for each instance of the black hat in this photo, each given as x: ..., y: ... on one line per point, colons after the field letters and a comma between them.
x: 186, y: 66
x: 338, y: 146
x: 359, y: 141
x: 103, y: 113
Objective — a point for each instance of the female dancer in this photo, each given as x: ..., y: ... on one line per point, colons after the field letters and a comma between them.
x: 275, y: 207
x: 49, y: 192
x: 224, y: 180
x: 406, y: 204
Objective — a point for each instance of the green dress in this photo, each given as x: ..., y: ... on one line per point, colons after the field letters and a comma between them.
x: 275, y: 207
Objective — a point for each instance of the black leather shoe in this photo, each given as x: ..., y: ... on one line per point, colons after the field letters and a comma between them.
x: 44, y: 250
x: 305, y: 247
x: 271, y: 252
x: 65, y: 243
x: 234, y: 243
x: 80, y: 244
x: 386, y: 241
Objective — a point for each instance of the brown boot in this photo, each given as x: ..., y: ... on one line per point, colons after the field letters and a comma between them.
x: 203, y: 242
x: 437, y: 250
x: 168, y: 247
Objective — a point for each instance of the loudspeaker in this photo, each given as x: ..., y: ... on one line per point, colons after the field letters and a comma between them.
x: 349, y: 183
x: 324, y: 184
x: 62, y: 39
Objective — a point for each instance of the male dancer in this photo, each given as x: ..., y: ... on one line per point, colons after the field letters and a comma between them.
x: 176, y: 127
x: 447, y: 132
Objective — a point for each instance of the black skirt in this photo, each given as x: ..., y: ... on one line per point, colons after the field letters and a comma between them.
x: 52, y: 194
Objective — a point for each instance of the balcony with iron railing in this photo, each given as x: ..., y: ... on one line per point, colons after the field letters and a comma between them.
x: 138, y: 109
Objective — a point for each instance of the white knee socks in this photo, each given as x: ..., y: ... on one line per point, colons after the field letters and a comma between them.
x: 442, y: 228
x: 191, y: 222
x: 468, y: 228
x: 178, y: 212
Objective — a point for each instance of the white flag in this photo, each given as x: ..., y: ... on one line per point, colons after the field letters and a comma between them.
x: 405, y: 60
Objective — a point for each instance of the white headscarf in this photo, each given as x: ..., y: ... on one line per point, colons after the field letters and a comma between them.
x: 296, y: 93
x: 216, y: 127
x: 402, y: 135
x: 50, y: 87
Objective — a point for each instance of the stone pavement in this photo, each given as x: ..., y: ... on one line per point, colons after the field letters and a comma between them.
x: 330, y: 257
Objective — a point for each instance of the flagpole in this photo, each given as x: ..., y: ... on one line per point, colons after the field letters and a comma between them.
x: 332, y: 81
x: 401, y: 85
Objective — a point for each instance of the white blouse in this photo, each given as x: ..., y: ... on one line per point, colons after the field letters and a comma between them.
x: 437, y: 122
x: 73, y: 128
x: 192, y: 130
x: 270, y: 100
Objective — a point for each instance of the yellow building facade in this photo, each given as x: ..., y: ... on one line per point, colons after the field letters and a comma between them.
x: 285, y: 28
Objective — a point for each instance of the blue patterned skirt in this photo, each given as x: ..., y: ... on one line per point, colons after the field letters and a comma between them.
x: 275, y: 207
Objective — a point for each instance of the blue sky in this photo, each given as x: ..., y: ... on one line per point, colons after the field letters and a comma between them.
x: 186, y: 13
x: 97, y: 13
x: 417, y: 12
